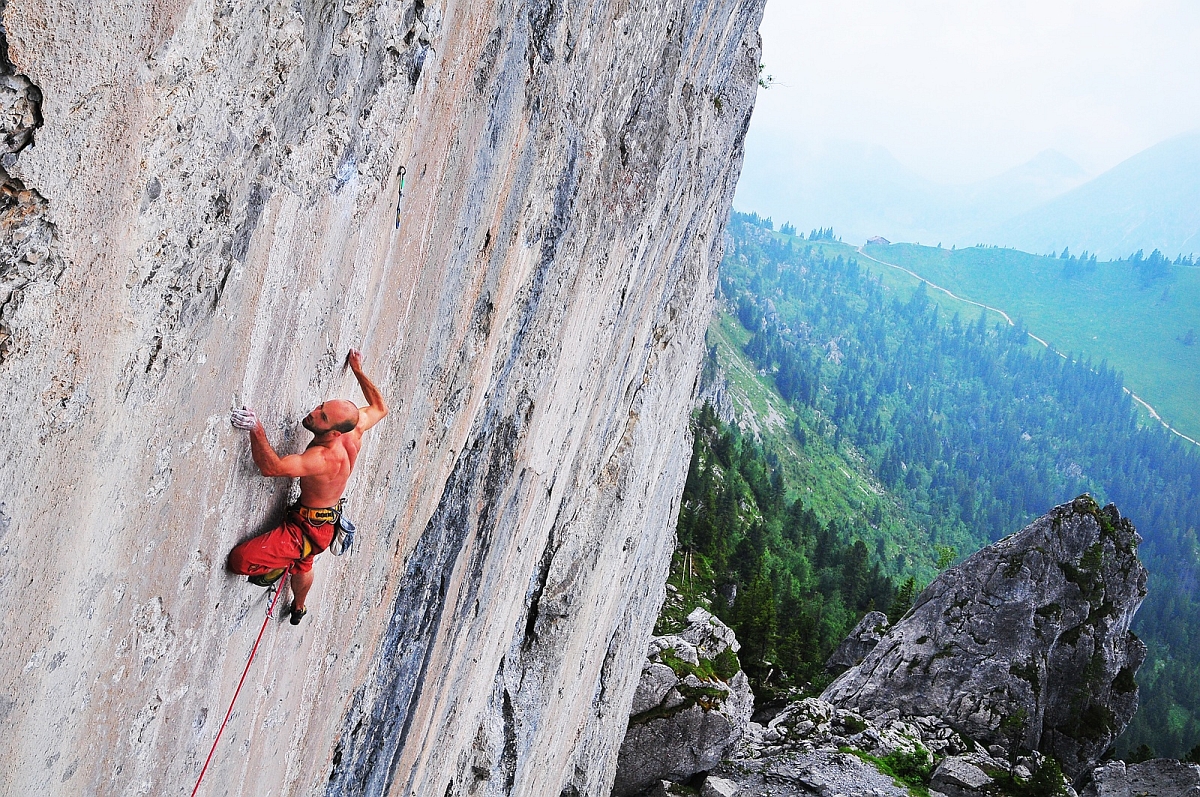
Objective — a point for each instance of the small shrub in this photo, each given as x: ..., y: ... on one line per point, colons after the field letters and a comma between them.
x: 1126, y: 683
x: 908, y: 770
x: 913, y: 768
x: 1047, y: 781
x: 854, y: 725
x: 678, y: 665
x: 1144, y: 752
x: 726, y: 665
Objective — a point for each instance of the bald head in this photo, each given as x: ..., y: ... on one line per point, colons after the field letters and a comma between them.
x: 337, y: 415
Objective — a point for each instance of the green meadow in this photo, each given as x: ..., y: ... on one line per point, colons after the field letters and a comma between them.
x: 1103, y: 312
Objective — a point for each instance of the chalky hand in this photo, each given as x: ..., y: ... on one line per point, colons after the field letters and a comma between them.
x: 244, y: 419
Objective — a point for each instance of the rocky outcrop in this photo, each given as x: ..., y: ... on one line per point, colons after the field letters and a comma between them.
x: 714, y: 389
x: 823, y: 773
x: 691, y: 707
x: 861, y: 640
x: 210, y: 215
x: 1026, y: 643
x: 813, y: 748
x: 1162, y: 777
x: 1011, y: 630
x: 811, y: 724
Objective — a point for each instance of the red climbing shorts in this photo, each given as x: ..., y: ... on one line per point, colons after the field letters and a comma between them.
x: 281, y: 547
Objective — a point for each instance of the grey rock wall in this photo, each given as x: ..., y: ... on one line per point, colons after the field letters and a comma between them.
x: 1025, y: 644
x: 861, y: 640
x: 214, y: 189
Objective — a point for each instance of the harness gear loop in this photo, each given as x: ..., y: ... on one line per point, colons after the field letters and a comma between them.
x: 245, y: 672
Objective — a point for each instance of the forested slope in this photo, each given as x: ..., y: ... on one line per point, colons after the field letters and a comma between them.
x: 1139, y: 313
x: 974, y: 432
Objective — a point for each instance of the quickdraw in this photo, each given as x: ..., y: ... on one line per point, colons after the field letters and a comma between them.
x: 399, y: 195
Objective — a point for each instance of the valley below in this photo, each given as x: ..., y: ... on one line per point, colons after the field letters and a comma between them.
x: 862, y: 439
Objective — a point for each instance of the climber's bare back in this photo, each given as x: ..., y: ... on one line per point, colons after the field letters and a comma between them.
x: 332, y: 463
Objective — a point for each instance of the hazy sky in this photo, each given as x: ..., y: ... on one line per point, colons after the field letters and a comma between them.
x: 959, y: 90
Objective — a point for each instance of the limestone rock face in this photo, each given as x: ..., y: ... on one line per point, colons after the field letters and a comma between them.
x: 685, y: 716
x: 861, y: 640
x: 1031, y: 632
x: 202, y: 208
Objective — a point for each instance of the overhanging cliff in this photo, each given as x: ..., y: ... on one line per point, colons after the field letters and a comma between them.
x: 214, y: 189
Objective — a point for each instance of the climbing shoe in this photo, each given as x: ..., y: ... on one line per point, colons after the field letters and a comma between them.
x: 297, y: 615
x: 267, y: 579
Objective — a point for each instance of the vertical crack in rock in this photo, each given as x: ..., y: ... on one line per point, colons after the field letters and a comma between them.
x: 543, y: 19
x: 508, y: 759
x: 540, y: 576
x: 370, y: 752
x: 28, y: 256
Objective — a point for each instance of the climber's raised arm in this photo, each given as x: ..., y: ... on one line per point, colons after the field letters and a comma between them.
x: 376, y: 408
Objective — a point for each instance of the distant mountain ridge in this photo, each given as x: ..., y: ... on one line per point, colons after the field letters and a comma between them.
x: 863, y: 190
x: 1150, y: 201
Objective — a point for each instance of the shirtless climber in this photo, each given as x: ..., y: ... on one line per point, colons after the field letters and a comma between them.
x: 323, y: 469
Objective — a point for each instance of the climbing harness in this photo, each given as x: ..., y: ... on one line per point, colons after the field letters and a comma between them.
x: 318, y: 517
x: 343, y: 529
x: 278, y: 591
x: 399, y: 195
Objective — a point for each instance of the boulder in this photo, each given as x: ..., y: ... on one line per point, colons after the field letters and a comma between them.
x: 687, y: 712
x: 1025, y: 643
x: 719, y: 787
x: 1162, y: 777
x: 858, y: 643
x: 958, y: 776
x: 710, y: 636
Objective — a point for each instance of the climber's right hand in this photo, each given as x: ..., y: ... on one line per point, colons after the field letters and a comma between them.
x: 244, y: 419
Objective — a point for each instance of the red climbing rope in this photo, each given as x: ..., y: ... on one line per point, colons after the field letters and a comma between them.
x: 270, y: 611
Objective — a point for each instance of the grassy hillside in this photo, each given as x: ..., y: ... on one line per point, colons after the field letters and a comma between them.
x: 832, y: 478
x: 1102, y: 312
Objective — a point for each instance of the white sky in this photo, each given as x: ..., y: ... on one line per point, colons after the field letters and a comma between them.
x: 959, y: 90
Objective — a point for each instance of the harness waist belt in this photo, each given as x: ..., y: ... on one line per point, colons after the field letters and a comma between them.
x: 319, y: 516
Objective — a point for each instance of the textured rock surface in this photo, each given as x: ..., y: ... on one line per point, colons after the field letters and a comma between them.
x: 1033, y: 629
x: 719, y: 787
x: 1162, y: 777
x: 209, y: 219
x: 861, y: 640
x: 812, y: 724
x: 683, y: 720
x: 818, y: 774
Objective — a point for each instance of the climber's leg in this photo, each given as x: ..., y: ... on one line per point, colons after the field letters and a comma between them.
x: 301, y: 583
x: 278, y: 548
